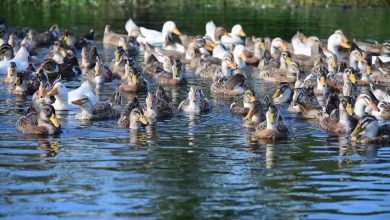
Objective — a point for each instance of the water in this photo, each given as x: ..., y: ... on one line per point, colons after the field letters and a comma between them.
x: 190, y: 166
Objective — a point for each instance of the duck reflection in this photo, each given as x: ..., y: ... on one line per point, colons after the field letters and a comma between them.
x: 368, y: 154
x: 48, y: 148
x: 142, y: 137
x: 271, y: 150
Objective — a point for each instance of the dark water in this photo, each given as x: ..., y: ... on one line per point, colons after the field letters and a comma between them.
x: 190, y: 166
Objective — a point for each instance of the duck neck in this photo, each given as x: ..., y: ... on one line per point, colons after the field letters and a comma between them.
x: 360, y: 107
x: 344, y: 119
x: 226, y: 72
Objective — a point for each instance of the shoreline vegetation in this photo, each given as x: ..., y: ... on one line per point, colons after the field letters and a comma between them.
x: 256, y: 4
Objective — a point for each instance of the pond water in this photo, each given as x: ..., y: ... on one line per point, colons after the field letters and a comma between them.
x: 190, y: 166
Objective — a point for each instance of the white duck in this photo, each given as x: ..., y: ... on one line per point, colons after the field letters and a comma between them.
x: 335, y: 40
x: 210, y: 30
x: 303, y: 46
x: 64, y: 98
x: 236, y: 34
x: 20, y: 59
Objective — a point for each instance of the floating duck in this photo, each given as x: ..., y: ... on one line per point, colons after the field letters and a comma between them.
x: 369, y: 131
x: 196, y: 102
x: 42, y: 122
x: 273, y: 128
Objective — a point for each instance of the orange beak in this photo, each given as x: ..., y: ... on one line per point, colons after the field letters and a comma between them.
x: 283, y: 46
x: 233, y: 65
x: 252, y: 98
x: 210, y: 46
x: 77, y: 102
x: 244, y: 57
x: 333, y: 63
x: 242, y: 33
x: 373, y: 106
x: 344, y: 43
x: 41, y: 92
x: 176, y: 31
x: 53, y: 91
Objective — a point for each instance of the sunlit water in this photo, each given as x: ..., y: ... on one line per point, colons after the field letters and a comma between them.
x: 189, y: 166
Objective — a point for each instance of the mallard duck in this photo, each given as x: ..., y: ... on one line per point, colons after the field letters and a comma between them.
x: 40, y: 97
x: 110, y: 38
x: 286, y: 72
x: 283, y: 93
x: 64, y: 98
x: 273, y: 128
x: 157, y: 107
x: 342, y: 123
x: 6, y: 52
x: 20, y: 59
x: 383, y: 112
x: 25, y: 84
x: 117, y: 65
x: 259, y: 52
x: 88, y: 57
x: 70, y: 66
x: 277, y: 47
x: 318, y: 82
x: 365, y: 103
x: 368, y: 131
x: 196, y: 102
x: 338, y: 82
x: 174, y: 77
x: 132, y: 81
x: 132, y: 116
x: 305, y: 102
x: 255, y: 114
x: 111, y: 109
x: 43, y: 122
x: 228, y: 86
x: 130, y: 46
x: 235, y: 37
x: 355, y: 57
x: 99, y: 73
x: 210, y: 70
x: 241, y: 106
x: 11, y: 74
x: 335, y: 40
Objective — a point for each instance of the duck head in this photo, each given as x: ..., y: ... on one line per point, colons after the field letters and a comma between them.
x: 349, y: 74
x: 47, y: 116
x: 346, y: 103
x: 283, y: 93
x: 238, y: 31
x: 272, y: 117
x: 137, y: 119
x: 335, y: 40
x: 169, y: 27
x: 177, y: 69
x: 249, y: 98
x: 85, y: 103
x: 11, y: 72
x: 366, y: 127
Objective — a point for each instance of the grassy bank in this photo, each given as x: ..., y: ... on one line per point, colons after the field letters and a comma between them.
x: 239, y: 3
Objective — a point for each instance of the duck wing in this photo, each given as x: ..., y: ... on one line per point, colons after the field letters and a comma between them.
x: 236, y: 80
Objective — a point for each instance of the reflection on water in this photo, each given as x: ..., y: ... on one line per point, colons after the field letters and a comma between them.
x: 190, y: 166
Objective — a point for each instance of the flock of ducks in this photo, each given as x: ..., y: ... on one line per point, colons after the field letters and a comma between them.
x: 342, y: 85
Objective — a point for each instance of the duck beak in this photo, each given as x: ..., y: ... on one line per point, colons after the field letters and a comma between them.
x: 283, y: 46
x: 357, y: 130
x: 277, y: 93
x: 352, y: 77
x: 272, y: 118
x: 233, y: 65
x: 262, y: 46
x: 41, y: 92
x: 17, y: 81
x: 77, y: 102
x: 53, y: 91
x: 373, y: 107
x: 134, y: 79
x: 54, y: 120
x: 252, y: 98
x: 176, y: 31
x: 117, y: 57
x: 210, y: 46
x: 349, y: 109
x: 242, y: 33
x: 288, y: 60
x: 175, y: 71
x: 322, y: 81
x: 344, y: 43
x: 333, y: 63
x: 244, y: 57
x: 368, y: 70
x: 143, y: 120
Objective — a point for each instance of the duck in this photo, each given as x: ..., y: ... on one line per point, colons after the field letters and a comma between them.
x: 259, y: 52
x: 20, y: 59
x: 210, y: 30
x: 239, y: 56
x: 368, y: 131
x: 318, y: 81
x: 283, y: 93
x: 40, y: 97
x: 365, y: 103
x: 157, y: 38
x: 111, y: 38
x: 384, y: 67
x: 235, y: 37
x: 99, y: 73
x: 277, y: 47
x: 132, y: 116
x: 117, y: 65
x: 47, y: 38
x: 219, y: 50
x: 286, y: 71
x: 42, y: 122
x: 132, y: 81
x: 228, y: 86
x: 157, y: 106
x: 241, y: 106
x: 210, y: 70
x: 25, y: 84
x: 303, y: 45
x: 70, y: 66
x: 11, y: 74
x: 50, y: 68
x: 343, y: 123
x: 347, y: 79
x: 174, y: 77
x: 111, y: 109
x: 273, y: 127
x: 255, y: 114
x: 64, y: 98
x: 335, y: 40
x: 305, y: 101
x: 88, y: 57
x: 130, y: 46
x: 383, y: 112
x: 196, y: 102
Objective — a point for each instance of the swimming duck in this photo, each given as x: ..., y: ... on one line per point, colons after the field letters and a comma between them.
x: 157, y: 38
x: 132, y: 116
x: 130, y: 46
x: 235, y: 37
x: 344, y: 123
x: 241, y: 106
x: 219, y: 50
x: 283, y: 93
x: 273, y: 128
x: 99, y: 73
x: 111, y: 109
x: 11, y: 74
x: 64, y: 98
x: 335, y: 40
x: 43, y: 122
x: 228, y: 86
x: 132, y: 81
x: 368, y: 131
x: 40, y: 97
x: 110, y: 38
x: 157, y: 107
x: 337, y: 82
x: 383, y: 112
x: 88, y: 57
x: 239, y: 56
x: 174, y: 77
x: 305, y: 101
x: 211, y: 70
x: 196, y: 102
x: 20, y: 59
x: 47, y: 38
x: 303, y: 45
x: 117, y: 65
x: 255, y: 114
x: 365, y: 103
x: 277, y: 47
x: 25, y: 84
x: 285, y: 72
x: 70, y: 66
